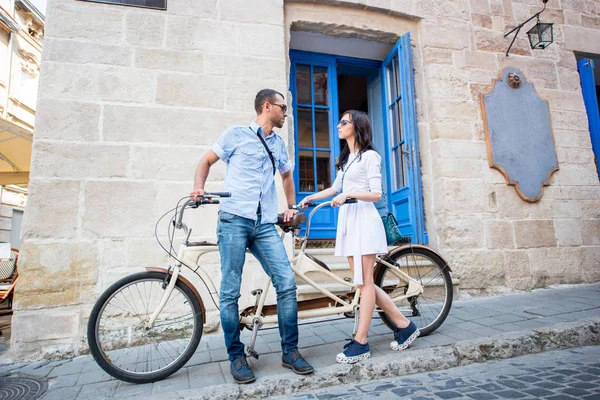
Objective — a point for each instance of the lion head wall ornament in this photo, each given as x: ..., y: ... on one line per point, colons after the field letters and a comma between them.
x: 514, y: 80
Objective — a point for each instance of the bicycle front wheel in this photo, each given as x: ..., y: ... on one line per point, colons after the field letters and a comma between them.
x: 429, y: 309
x: 125, y: 347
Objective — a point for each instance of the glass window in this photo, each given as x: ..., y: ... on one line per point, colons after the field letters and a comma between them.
x: 323, y: 170
x: 322, y: 128
x: 305, y: 127
x: 303, y: 92
x: 306, y: 170
x: 321, y: 84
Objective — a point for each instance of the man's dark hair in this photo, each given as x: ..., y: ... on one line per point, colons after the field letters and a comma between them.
x: 265, y: 95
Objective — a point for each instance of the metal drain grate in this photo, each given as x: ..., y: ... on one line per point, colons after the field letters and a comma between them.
x: 20, y: 388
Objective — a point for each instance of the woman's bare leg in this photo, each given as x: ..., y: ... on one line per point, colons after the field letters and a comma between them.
x: 367, y: 298
x: 382, y: 300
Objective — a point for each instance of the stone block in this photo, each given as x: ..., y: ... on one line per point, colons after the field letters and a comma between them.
x: 566, y: 209
x: 241, y: 92
x: 482, y: 20
x: 67, y: 120
x: 71, y: 51
x: 95, y: 83
x: 571, y: 120
x: 480, y: 6
x: 590, y: 209
x: 590, y: 264
x: 568, y: 232
x: 444, y: 109
x: 576, y: 175
x: 460, y: 195
x: 79, y: 161
x: 449, y: 82
x: 572, y: 139
x: 451, y: 129
x: 460, y: 232
x: 568, y: 79
x: 575, y: 5
x: 432, y: 55
x: 268, y: 12
x: 493, y: 41
x: 572, y: 18
x: 42, y: 325
x: 45, y: 269
x: 534, y: 233
x: 517, y: 270
x: 459, y: 168
x: 190, y: 90
x: 191, y: 33
x: 565, y: 101
x: 144, y: 29
x: 445, y: 35
x: 166, y: 125
x: 557, y: 265
x: 164, y: 163
x: 195, y: 8
x: 578, y: 192
x: 80, y: 21
x: 480, y: 60
x: 574, y: 156
x: 499, y: 234
x: 458, y: 149
x: 478, y: 269
x: 590, y: 231
x: 118, y: 209
x: 498, y: 23
x: 146, y: 252
x: 170, y: 60
x: 263, y: 40
x: 53, y: 214
x: 246, y: 66
x: 113, y: 255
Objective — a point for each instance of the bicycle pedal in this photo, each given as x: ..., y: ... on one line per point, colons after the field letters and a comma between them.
x: 252, y: 353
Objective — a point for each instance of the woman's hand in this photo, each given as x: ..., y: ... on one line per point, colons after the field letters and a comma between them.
x: 302, y: 205
x: 339, y: 200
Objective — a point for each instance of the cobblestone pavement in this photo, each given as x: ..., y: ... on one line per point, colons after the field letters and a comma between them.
x: 555, y: 375
x: 479, y: 318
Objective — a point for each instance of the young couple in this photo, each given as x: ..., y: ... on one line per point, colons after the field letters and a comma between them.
x: 247, y: 218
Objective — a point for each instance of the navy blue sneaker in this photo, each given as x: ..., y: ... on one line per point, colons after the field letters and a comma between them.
x: 403, y: 337
x: 293, y: 360
x: 353, y: 352
x: 240, y: 371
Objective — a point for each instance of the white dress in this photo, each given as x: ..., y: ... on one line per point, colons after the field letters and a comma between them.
x: 360, y: 229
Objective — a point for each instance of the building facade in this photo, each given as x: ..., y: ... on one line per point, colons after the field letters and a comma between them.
x: 130, y: 98
x: 21, y: 33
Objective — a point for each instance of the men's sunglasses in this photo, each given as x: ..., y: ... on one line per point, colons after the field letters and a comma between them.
x: 282, y: 106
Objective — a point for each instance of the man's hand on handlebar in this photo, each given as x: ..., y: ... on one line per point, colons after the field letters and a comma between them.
x: 289, y: 214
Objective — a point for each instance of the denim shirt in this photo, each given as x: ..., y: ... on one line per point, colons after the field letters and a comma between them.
x: 249, y: 175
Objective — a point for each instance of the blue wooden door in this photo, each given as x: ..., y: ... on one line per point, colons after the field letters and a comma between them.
x: 313, y: 86
x: 405, y: 195
x: 590, y: 98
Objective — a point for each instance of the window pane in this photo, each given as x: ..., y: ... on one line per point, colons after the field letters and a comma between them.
x: 305, y: 130
x: 323, y: 170
x: 320, y: 78
x: 391, y: 83
x: 397, y: 75
x: 400, y: 132
x: 398, y: 172
x: 306, y: 171
x: 394, y: 125
x: 322, y: 131
x: 303, y: 93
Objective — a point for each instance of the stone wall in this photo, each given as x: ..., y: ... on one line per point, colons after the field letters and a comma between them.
x: 131, y: 98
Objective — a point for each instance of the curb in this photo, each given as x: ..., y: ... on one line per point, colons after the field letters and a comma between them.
x: 584, y: 332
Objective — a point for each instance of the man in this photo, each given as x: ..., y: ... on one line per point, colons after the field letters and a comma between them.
x: 246, y: 220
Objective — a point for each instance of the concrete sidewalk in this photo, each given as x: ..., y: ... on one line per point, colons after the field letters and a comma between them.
x: 476, y: 330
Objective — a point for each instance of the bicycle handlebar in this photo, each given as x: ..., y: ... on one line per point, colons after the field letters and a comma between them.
x: 196, y: 203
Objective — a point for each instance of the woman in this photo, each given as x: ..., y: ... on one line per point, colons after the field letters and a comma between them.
x: 360, y: 232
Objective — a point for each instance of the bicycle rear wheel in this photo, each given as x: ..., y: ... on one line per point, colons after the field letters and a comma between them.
x: 429, y: 309
x: 123, y: 346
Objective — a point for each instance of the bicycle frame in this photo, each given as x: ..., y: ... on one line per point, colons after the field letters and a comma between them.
x: 301, y: 265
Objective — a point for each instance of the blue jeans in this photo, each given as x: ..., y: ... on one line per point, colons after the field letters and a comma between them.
x: 235, y: 234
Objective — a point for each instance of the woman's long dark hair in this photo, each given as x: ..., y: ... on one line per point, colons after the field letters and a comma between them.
x: 363, y: 136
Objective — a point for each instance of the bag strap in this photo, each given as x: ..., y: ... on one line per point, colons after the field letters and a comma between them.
x: 346, y: 170
x: 262, y: 140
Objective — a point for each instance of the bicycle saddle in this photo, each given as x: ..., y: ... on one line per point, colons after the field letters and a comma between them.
x: 296, y: 220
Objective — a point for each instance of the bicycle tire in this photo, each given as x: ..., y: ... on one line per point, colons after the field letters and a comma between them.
x: 429, y: 309
x: 135, y: 334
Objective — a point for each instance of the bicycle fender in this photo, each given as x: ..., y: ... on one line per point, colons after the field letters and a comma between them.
x: 408, y: 246
x: 187, y: 283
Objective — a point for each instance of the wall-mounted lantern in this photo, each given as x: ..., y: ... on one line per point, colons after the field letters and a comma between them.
x: 540, y: 36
